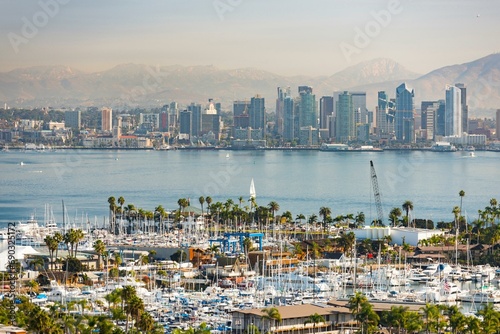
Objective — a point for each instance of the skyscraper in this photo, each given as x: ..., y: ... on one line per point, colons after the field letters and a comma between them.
x: 307, y: 108
x: 440, y: 119
x: 257, y: 113
x: 106, y: 119
x: 185, y: 128
x: 325, y: 110
x: 280, y: 105
x: 345, y: 123
x: 359, y: 106
x: 289, y: 119
x: 498, y: 124
x: 465, y: 107
x: 195, y: 109
x: 404, y: 114
x: 453, y: 112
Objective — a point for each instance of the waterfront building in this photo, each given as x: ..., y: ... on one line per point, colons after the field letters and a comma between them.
x: 308, y: 136
x: 439, y: 119
x: 296, y: 319
x: 73, y: 119
x: 345, y: 124
x: 384, y: 115
x: 325, y: 111
x: 257, y: 113
x: 465, y: 107
x: 307, y: 107
x: 453, y: 112
x: 185, y: 128
x: 404, y: 114
x: 195, y: 109
x: 290, y: 118
x: 283, y: 93
x: 106, y: 119
x: 359, y: 106
x: 498, y: 124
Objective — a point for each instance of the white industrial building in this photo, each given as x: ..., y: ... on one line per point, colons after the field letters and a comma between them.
x: 411, y: 235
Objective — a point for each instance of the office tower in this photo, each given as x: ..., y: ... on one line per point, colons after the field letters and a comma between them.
x: 498, y: 124
x: 465, y: 107
x: 152, y: 119
x: 404, y: 114
x: 185, y: 124
x: 257, y: 113
x: 424, y: 105
x: 440, y: 119
x: 453, y: 112
x: 430, y: 115
x: 345, y: 124
x: 211, y: 108
x: 164, y: 121
x: 325, y: 111
x: 106, y: 119
x: 240, y: 107
x: 289, y: 118
x: 195, y: 110
x: 359, y: 106
x: 280, y: 105
x: 307, y: 107
x: 381, y: 113
x: 73, y: 119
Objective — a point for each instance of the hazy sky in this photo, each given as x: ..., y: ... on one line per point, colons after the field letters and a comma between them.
x: 287, y: 37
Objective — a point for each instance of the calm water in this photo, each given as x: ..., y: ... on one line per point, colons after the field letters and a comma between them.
x: 300, y: 181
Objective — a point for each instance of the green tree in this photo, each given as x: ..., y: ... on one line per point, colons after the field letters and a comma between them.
x: 407, y: 207
x: 273, y: 315
x: 314, y: 319
x: 100, y: 249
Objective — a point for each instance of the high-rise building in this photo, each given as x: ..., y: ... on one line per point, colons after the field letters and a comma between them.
x: 498, y: 124
x: 280, y: 105
x: 195, y: 109
x: 185, y: 124
x: 325, y: 111
x: 73, y: 119
x: 106, y: 119
x: 307, y: 107
x: 359, y: 106
x: 465, y: 107
x: 345, y: 123
x: 424, y: 105
x: 439, y: 123
x: 453, y: 112
x: 430, y: 115
x: 257, y: 113
x: 289, y: 119
x: 404, y: 114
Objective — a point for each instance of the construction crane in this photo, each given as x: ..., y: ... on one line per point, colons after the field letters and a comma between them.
x: 376, y: 193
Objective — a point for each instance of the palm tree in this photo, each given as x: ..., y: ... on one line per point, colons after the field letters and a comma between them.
x: 314, y: 319
x: 393, y: 215
x: 100, y: 249
x: 273, y: 206
x: 271, y: 314
x: 490, y: 319
x: 121, y: 201
x: 431, y: 314
x: 202, y: 201
x: 407, y: 206
x: 146, y: 323
x: 325, y: 212
x: 52, y: 246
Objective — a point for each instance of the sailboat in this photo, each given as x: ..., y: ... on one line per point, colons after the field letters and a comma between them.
x: 252, y: 190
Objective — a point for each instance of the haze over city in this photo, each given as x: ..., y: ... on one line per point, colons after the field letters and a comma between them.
x: 292, y: 38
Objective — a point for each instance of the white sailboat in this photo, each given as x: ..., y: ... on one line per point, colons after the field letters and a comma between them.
x: 252, y: 190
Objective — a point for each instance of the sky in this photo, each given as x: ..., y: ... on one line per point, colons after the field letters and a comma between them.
x: 286, y: 37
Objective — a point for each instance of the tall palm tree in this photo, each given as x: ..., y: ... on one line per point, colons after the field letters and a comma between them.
x: 201, y: 199
x: 355, y: 304
x: 100, y: 249
x: 407, y: 206
x: 273, y: 206
x: 325, y: 212
x: 58, y: 237
x: 314, y: 319
x: 121, y: 201
x: 52, y: 246
x: 271, y: 314
x: 431, y: 314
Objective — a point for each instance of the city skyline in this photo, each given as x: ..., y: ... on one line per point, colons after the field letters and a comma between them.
x: 94, y: 36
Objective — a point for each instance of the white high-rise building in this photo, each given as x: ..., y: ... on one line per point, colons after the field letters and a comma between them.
x: 106, y: 119
x: 453, y: 112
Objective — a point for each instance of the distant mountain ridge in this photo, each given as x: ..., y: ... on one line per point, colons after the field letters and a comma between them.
x: 130, y: 85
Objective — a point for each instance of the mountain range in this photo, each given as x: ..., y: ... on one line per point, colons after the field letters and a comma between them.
x: 131, y: 85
